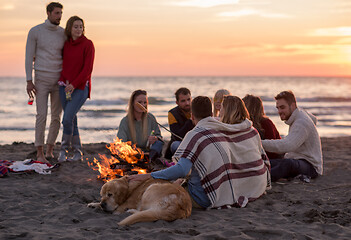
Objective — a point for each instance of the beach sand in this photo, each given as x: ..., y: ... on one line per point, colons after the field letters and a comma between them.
x: 35, y: 206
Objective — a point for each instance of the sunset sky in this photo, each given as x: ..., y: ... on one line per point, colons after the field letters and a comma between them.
x: 195, y: 37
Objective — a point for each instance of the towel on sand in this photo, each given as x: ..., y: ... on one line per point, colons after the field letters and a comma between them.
x: 31, y: 165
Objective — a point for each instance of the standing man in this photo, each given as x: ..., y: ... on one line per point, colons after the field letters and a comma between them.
x: 302, y: 146
x: 44, y: 47
x: 179, y: 119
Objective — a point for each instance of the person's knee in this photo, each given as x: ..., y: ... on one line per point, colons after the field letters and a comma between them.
x: 282, y: 168
x: 157, y: 146
x: 67, y: 121
x: 56, y: 118
x: 292, y: 167
x: 174, y: 146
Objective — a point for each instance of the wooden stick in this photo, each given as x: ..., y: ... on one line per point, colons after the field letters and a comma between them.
x: 145, y: 110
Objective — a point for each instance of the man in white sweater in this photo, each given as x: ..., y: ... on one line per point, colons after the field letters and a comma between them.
x: 302, y: 145
x: 44, y: 47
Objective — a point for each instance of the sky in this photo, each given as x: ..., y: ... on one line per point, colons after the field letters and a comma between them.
x: 195, y: 37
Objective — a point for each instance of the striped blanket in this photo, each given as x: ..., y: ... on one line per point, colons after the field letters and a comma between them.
x: 231, y: 162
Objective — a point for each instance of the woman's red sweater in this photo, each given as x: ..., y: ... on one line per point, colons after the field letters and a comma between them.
x: 78, y: 60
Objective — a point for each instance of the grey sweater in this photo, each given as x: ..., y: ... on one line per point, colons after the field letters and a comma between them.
x: 44, y: 46
x: 124, y: 133
x: 302, y: 142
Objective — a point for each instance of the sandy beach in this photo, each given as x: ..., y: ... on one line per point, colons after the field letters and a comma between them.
x: 54, y: 206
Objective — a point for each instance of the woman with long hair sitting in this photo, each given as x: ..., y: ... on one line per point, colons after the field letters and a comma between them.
x: 140, y: 127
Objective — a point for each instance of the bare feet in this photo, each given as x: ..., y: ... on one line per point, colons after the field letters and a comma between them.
x: 40, y: 155
x: 49, y: 151
x: 42, y: 159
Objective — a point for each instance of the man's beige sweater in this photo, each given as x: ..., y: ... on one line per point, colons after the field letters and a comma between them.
x: 302, y: 142
x: 44, y: 46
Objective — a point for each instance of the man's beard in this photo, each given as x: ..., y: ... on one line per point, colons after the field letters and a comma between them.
x: 56, y: 23
x: 187, y: 109
x: 287, y: 116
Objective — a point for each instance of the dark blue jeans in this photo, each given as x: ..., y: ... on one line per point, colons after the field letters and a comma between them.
x: 289, y: 168
x: 71, y: 108
x: 157, y: 146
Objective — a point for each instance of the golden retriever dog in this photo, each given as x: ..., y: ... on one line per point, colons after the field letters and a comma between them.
x: 148, y: 200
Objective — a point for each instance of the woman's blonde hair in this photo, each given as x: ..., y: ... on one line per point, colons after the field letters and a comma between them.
x: 255, y: 108
x: 234, y: 110
x: 219, y: 97
x: 131, y: 117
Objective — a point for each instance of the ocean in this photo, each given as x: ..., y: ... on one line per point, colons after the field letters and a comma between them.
x: 329, y: 98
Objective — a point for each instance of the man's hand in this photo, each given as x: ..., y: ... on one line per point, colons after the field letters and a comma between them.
x: 31, y: 90
x: 139, y: 177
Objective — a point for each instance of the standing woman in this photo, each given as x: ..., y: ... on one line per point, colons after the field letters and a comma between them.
x: 140, y: 127
x: 75, y: 84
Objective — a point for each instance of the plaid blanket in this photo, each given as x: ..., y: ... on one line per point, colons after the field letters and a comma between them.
x: 231, y: 162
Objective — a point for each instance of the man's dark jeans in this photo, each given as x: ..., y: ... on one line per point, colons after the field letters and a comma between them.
x: 289, y: 168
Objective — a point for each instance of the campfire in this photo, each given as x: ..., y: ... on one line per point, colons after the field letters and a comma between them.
x: 126, y: 159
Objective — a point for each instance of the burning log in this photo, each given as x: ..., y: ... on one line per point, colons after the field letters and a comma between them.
x: 128, y: 165
x: 126, y: 159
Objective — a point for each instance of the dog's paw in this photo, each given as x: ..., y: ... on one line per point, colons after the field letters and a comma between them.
x: 132, y: 211
x: 93, y: 205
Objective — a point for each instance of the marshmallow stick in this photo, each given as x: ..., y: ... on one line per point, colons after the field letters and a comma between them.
x: 145, y: 110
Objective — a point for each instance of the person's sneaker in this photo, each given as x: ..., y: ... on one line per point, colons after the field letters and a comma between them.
x: 77, y: 155
x: 304, y: 178
x: 62, y: 156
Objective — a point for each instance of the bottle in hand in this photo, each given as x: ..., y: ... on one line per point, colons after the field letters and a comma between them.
x: 68, y: 96
x: 30, y: 100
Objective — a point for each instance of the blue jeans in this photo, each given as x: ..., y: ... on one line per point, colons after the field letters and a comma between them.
x: 289, y: 168
x: 157, y: 146
x: 174, y: 146
x: 71, y: 108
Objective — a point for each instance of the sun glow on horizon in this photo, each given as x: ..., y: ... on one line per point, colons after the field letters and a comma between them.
x: 341, y: 31
x: 195, y: 37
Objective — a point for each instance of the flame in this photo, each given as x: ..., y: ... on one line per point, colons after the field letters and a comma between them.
x: 126, y: 152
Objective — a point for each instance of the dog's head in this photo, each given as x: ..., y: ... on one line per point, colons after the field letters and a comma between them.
x: 113, y: 194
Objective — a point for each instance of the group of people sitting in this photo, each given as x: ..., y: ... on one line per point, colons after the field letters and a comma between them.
x: 229, y: 155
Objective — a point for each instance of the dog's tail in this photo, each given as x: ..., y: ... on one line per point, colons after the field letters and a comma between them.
x: 148, y: 215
